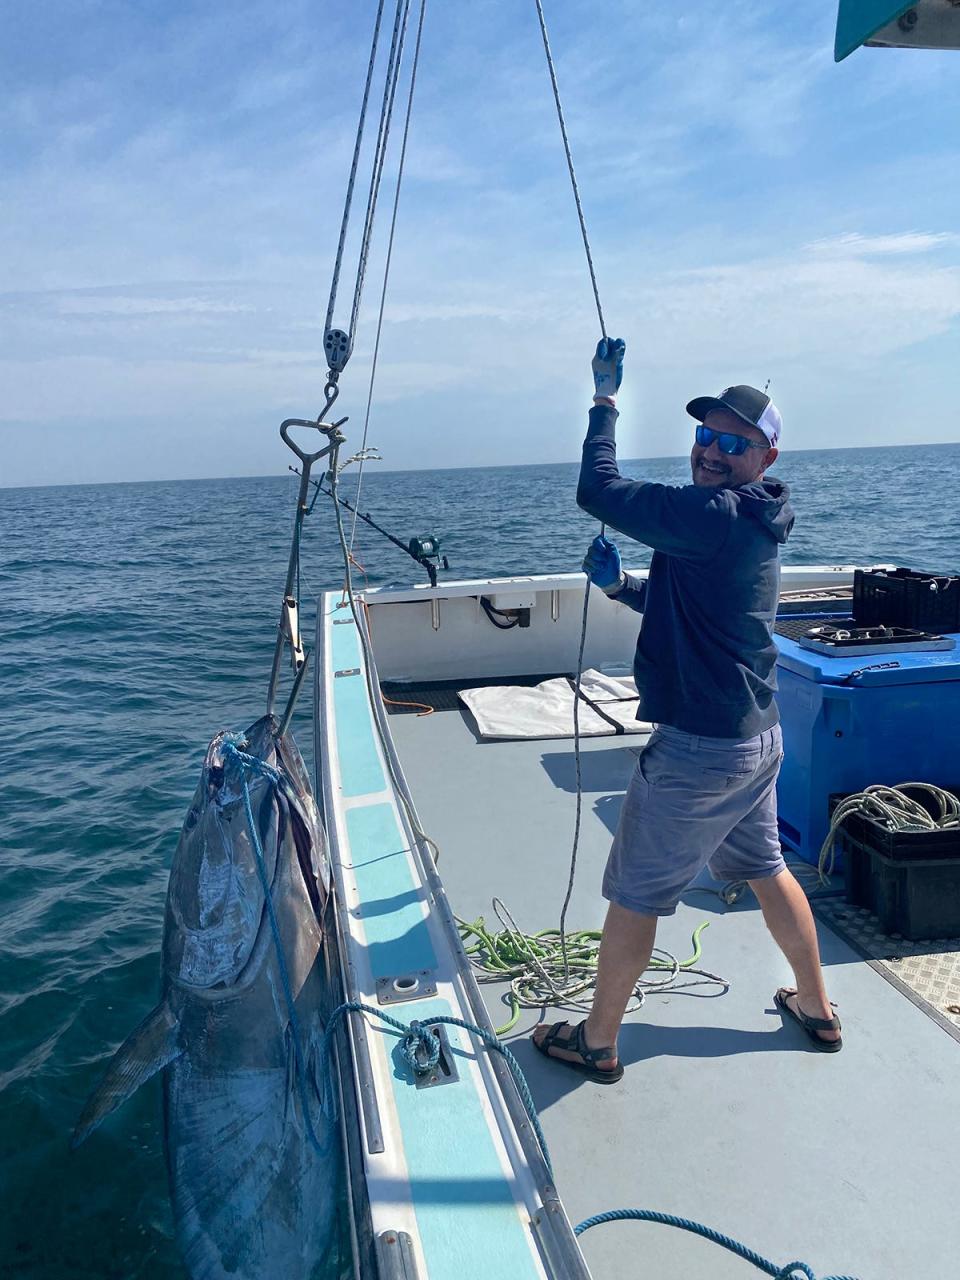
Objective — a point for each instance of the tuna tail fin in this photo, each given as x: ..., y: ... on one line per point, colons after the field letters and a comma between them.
x: 145, y: 1051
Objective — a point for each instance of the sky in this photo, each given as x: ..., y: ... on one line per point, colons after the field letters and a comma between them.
x: 171, y: 188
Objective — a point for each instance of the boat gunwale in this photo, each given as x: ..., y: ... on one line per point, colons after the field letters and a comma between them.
x: 553, y: 1233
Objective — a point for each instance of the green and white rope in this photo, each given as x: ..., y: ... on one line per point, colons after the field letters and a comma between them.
x: 550, y: 968
x: 892, y: 808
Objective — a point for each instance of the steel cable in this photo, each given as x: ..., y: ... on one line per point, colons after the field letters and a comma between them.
x: 386, y: 269
x: 386, y: 114
x: 353, y: 170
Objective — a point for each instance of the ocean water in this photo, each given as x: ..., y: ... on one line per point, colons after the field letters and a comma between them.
x: 138, y: 619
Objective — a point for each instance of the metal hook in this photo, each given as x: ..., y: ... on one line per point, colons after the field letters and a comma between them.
x: 331, y: 391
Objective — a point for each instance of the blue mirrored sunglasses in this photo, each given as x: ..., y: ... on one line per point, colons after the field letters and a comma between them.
x: 727, y: 441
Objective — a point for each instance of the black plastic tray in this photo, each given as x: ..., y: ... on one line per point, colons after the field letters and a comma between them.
x: 906, y: 598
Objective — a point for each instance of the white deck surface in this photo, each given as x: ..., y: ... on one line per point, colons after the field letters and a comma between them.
x: 847, y: 1161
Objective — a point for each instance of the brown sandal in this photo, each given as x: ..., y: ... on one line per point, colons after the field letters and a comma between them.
x: 577, y: 1043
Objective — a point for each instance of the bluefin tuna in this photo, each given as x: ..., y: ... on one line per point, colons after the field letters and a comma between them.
x: 252, y: 1156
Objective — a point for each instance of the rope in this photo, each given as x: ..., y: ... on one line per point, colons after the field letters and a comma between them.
x: 379, y: 157
x: 353, y: 170
x: 380, y: 152
x: 255, y: 765
x: 386, y: 269
x: 420, y: 1049
x: 791, y: 1270
x: 603, y: 330
x: 549, y: 967
x: 425, y: 708
x: 892, y: 808
x: 573, y: 176
x: 576, y: 757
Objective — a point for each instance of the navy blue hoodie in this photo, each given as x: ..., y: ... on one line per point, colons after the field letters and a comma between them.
x: 705, y: 661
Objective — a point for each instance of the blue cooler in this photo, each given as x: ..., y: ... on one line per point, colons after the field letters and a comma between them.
x: 854, y: 720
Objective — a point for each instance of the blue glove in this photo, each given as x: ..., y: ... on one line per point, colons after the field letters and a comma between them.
x: 601, y: 564
x: 608, y: 366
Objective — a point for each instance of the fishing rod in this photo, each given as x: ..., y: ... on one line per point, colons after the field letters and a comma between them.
x: 425, y: 549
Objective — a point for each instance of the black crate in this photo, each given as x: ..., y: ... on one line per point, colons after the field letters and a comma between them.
x: 929, y: 845
x: 906, y: 598
x: 918, y: 898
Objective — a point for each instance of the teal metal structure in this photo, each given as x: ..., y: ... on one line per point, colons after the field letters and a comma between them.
x: 924, y: 24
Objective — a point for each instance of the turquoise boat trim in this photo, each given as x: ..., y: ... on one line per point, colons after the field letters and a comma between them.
x: 461, y: 1192
x: 361, y: 772
x: 397, y: 934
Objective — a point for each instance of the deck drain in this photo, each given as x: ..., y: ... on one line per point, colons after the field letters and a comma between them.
x: 396, y: 988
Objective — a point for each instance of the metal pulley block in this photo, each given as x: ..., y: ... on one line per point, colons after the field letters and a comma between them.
x: 337, y: 347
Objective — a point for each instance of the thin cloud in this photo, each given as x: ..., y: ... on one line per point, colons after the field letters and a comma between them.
x: 853, y: 244
x: 133, y: 306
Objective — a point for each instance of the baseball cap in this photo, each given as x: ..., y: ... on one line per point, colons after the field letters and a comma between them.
x: 753, y: 406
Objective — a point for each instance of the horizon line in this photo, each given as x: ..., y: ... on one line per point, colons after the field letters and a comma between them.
x: 482, y: 466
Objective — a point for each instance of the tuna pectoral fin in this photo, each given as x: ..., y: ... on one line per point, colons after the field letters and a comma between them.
x: 144, y: 1052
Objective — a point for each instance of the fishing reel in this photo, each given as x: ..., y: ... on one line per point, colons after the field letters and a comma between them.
x: 425, y: 549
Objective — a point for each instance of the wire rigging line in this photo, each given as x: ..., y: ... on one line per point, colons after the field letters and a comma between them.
x: 573, y: 176
x: 576, y: 757
x: 586, y: 594
x: 353, y: 170
x: 386, y: 114
x: 386, y: 270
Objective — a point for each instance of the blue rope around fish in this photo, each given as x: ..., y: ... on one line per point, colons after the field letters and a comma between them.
x: 420, y: 1049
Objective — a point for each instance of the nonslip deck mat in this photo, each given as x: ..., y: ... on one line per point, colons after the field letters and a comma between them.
x: 608, y: 705
x: 927, y: 972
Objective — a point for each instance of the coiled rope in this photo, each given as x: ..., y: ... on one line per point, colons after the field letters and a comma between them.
x: 542, y: 971
x: 894, y: 809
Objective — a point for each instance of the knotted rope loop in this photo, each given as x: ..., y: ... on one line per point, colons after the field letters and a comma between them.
x: 421, y: 1048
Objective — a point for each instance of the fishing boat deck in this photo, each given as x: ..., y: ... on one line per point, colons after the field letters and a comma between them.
x: 723, y: 1116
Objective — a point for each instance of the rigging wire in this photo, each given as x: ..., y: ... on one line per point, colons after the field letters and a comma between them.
x: 380, y: 153
x: 353, y: 170
x: 386, y: 269
x: 586, y: 593
x: 573, y: 176
x: 339, y: 352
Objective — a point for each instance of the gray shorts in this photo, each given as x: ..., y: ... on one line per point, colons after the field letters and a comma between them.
x: 694, y: 802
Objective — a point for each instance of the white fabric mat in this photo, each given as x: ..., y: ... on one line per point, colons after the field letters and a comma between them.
x: 546, y: 710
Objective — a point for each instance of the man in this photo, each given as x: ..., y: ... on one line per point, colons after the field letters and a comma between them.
x: 703, y: 792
